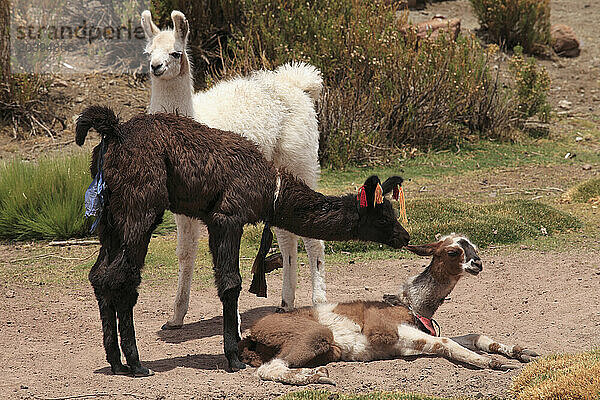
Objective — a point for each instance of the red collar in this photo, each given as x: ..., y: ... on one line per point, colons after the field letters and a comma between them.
x: 427, y: 323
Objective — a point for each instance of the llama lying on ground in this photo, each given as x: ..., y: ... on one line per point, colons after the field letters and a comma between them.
x: 274, y: 109
x: 281, y: 344
x: 162, y: 161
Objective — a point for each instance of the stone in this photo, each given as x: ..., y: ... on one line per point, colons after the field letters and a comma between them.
x: 565, y: 104
x: 564, y: 41
x: 432, y: 28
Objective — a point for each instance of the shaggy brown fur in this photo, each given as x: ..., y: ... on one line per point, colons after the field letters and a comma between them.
x: 163, y: 161
x: 281, y: 344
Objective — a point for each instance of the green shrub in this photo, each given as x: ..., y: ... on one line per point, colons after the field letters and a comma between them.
x: 384, y: 90
x: 44, y: 200
x: 516, y: 22
x: 505, y: 222
x: 531, y: 86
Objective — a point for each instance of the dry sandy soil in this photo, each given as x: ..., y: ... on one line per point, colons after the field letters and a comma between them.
x: 50, y: 336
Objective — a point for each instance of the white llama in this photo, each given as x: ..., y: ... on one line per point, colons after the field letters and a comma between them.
x: 275, y: 109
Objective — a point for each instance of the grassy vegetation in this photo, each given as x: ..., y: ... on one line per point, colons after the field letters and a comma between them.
x: 588, y: 191
x: 564, y: 377
x: 327, y: 395
x: 43, y: 200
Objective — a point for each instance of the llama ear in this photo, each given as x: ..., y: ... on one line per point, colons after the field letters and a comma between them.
x: 424, y: 250
x: 370, y: 194
x: 180, y: 25
x: 150, y: 30
x: 391, y: 183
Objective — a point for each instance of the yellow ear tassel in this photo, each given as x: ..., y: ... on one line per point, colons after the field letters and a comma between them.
x: 378, y: 194
x: 402, y: 203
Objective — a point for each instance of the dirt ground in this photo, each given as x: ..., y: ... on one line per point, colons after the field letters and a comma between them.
x: 545, y: 300
x: 51, y: 337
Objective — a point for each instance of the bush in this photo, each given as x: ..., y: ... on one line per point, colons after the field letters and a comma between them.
x: 384, y: 89
x: 565, y: 377
x: 532, y: 84
x: 516, y: 22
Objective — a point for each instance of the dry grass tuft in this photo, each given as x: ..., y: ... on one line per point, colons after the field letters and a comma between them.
x: 564, y: 377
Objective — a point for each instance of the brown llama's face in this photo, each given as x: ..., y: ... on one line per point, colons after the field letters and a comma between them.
x: 166, y: 49
x: 454, y: 253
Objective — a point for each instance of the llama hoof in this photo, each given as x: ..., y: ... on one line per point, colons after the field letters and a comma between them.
x: 170, y: 326
x: 140, y: 371
x: 120, y: 369
x: 235, y: 365
x: 500, y: 366
x: 527, y: 355
x: 322, y: 376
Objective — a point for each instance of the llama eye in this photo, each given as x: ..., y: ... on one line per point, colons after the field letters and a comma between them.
x: 453, y: 253
x: 176, y: 54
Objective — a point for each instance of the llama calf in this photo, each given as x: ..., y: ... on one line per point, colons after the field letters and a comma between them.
x: 281, y: 344
x: 274, y: 109
x: 162, y: 161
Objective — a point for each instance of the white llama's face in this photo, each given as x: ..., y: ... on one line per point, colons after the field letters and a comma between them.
x: 166, y: 54
x: 166, y: 49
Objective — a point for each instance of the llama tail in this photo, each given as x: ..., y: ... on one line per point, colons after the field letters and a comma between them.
x: 304, y: 76
x: 102, y: 119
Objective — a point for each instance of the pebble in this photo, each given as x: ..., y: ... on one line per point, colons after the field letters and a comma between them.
x: 10, y: 294
x: 565, y: 104
x: 586, y: 167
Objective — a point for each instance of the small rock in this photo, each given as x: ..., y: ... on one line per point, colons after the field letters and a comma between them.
x: 10, y: 294
x: 544, y: 231
x: 24, y: 387
x: 578, y: 139
x: 79, y: 99
x: 586, y: 167
x: 570, y: 155
x: 564, y: 41
x: 565, y: 104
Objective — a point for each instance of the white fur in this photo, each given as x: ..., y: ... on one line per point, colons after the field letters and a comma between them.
x: 275, y: 109
x: 347, y: 334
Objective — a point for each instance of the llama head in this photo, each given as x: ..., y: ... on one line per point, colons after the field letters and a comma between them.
x: 166, y: 49
x: 378, y: 221
x: 452, y: 255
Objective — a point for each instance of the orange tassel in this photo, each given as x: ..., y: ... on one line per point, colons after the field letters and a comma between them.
x: 402, y: 202
x: 378, y: 194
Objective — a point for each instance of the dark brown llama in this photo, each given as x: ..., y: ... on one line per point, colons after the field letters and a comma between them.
x: 162, y: 161
x: 282, y: 344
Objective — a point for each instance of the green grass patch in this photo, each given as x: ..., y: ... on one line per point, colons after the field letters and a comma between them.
x: 560, y: 376
x: 586, y: 191
x: 504, y: 222
x: 327, y: 395
x: 44, y: 200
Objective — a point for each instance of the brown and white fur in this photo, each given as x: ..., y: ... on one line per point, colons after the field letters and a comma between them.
x: 282, y: 345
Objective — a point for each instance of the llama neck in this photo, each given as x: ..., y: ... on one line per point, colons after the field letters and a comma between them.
x: 425, y: 292
x: 173, y: 95
x: 307, y: 213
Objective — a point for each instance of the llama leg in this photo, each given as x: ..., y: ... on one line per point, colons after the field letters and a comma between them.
x: 127, y: 332
x: 315, y: 249
x: 288, y: 244
x: 483, y: 343
x: 312, y: 346
x: 108, y: 316
x: 224, y: 242
x: 188, y: 231
x: 414, y: 342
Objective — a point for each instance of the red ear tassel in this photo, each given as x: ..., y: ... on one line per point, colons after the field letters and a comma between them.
x: 362, y: 197
x: 396, y: 193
